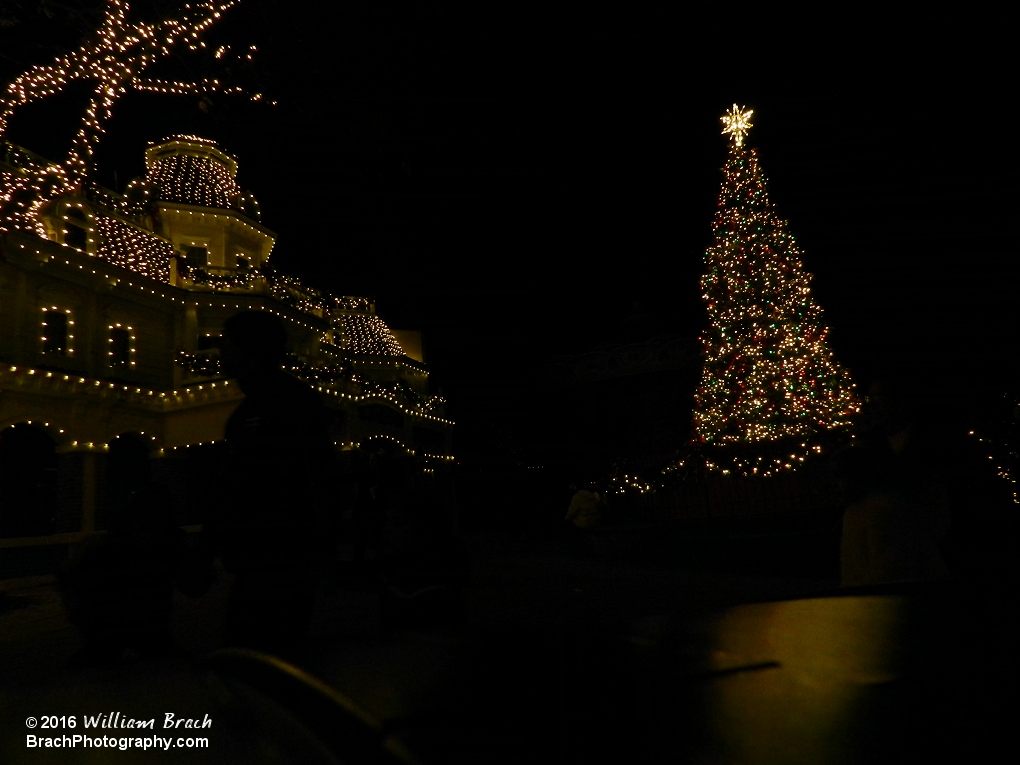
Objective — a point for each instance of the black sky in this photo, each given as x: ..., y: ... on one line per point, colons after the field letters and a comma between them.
x: 514, y: 180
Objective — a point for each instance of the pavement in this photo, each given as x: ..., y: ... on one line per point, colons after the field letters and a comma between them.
x: 641, y: 646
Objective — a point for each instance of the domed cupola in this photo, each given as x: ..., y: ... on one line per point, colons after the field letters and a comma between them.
x: 201, y: 210
x: 195, y: 171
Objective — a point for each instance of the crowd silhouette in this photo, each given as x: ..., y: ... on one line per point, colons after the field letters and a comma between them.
x: 289, y: 515
x: 921, y: 504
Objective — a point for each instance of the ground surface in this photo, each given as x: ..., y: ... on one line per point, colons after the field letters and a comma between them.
x: 559, y: 655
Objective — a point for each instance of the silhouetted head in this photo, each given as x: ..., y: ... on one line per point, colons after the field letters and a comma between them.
x: 253, y: 341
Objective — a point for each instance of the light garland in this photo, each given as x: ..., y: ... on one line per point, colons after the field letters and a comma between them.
x: 326, y: 378
x: 78, y: 385
x: 156, y: 449
x: 622, y: 484
x: 348, y: 446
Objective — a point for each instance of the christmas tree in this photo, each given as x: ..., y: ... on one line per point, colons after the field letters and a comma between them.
x: 770, y: 387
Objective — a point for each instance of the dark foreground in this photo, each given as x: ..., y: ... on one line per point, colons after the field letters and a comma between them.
x: 637, y: 649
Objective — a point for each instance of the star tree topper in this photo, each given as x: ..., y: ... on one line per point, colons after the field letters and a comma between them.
x: 737, y: 122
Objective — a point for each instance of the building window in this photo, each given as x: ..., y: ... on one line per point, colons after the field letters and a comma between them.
x: 122, y: 346
x: 57, y: 331
x: 77, y: 237
x: 196, y: 257
x: 76, y: 231
x: 206, y: 360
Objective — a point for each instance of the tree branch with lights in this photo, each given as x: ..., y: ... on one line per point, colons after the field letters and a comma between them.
x: 113, y: 59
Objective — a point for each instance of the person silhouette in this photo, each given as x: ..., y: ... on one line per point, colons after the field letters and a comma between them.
x: 118, y: 584
x: 266, y: 525
x: 898, y: 514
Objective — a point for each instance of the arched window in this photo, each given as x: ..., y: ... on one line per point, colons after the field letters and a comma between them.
x: 76, y: 228
x: 57, y: 331
x: 122, y: 346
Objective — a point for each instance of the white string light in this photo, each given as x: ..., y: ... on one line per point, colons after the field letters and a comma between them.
x: 112, y: 61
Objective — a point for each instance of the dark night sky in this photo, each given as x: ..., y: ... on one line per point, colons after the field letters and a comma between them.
x: 512, y: 181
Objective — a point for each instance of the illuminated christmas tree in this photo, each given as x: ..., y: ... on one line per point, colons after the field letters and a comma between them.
x: 770, y: 386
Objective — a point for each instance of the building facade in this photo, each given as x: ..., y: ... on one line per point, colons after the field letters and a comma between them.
x: 110, y: 306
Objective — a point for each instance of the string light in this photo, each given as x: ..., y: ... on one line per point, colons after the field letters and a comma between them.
x: 136, y: 241
x: 328, y: 378
x: 364, y: 335
x: 195, y: 171
x: 354, y: 326
x: 122, y: 345
x: 57, y: 337
x: 1002, y: 453
x: 622, y: 484
x: 112, y: 61
x: 143, y: 252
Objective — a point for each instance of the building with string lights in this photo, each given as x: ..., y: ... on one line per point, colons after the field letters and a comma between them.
x: 110, y: 308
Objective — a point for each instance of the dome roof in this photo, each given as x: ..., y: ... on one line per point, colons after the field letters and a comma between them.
x: 196, y: 171
x: 366, y: 334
